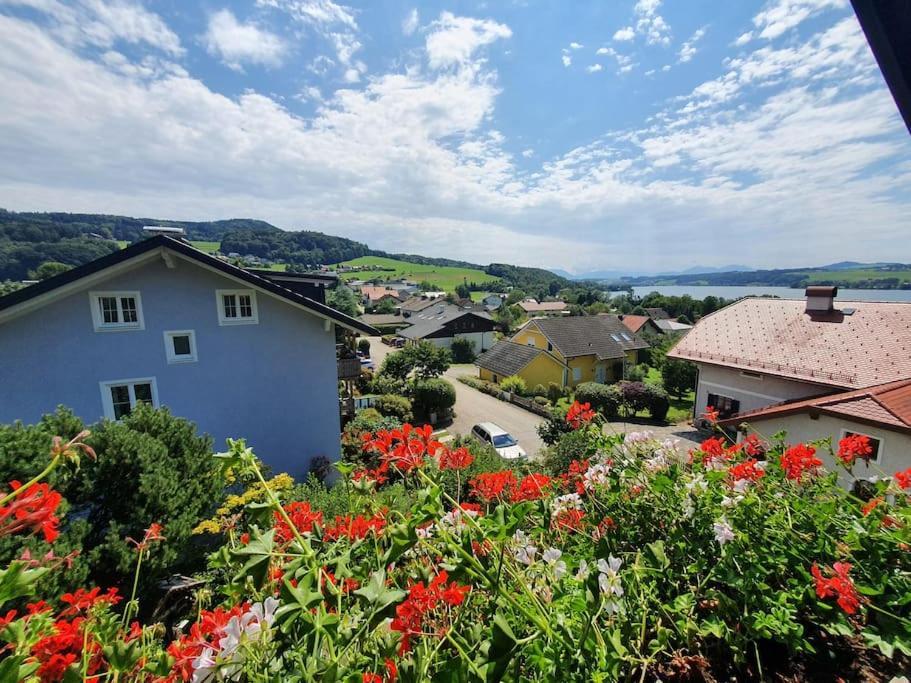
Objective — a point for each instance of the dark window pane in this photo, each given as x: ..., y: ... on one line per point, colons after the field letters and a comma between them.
x: 120, y: 397
x: 181, y: 345
x: 128, y: 304
x: 246, y: 306
x: 108, y: 305
x: 230, y: 303
x: 143, y: 393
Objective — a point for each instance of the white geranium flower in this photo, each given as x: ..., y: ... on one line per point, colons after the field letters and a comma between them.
x: 552, y: 557
x: 723, y: 531
x: 583, y: 572
x: 526, y: 554
x: 697, y: 485
x: 609, y: 583
x: 571, y: 501
x: 596, y: 475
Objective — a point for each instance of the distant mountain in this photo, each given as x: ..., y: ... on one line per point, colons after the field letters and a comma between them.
x: 710, y: 269
x: 618, y: 274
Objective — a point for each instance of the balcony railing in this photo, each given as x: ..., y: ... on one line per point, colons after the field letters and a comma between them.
x: 349, y: 368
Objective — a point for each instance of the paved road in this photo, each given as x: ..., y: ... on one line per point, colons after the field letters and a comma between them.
x: 473, y: 406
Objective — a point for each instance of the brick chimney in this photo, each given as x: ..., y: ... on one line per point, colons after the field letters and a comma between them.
x: 821, y: 299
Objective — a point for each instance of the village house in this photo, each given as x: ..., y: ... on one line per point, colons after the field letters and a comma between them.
x: 160, y: 322
x: 373, y: 295
x: 566, y: 351
x: 669, y: 326
x: 442, y: 323
x: 759, y: 351
x: 657, y: 313
x: 640, y: 324
x: 534, y: 308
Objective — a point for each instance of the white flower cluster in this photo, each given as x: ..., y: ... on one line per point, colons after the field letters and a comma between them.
x: 552, y: 557
x: 560, y: 504
x: 596, y: 475
x: 525, y: 552
x: 224, y: 660
x: 610, y: 584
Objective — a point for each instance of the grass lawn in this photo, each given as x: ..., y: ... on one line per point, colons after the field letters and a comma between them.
x: 681, y: 408
x: 123, y: 244
x: 208, y: 247
x: 477, y: 296
x: 444, y: 277
x: 859, y: 274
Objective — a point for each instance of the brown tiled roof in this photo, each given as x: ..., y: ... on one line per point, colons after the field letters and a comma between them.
x: 657, y: 313
x: 861, y: 344
x: 507, y: 358
x: 888, y: 405
x: 584, y: 335
x: 374, y: 292
x: 635, y: 322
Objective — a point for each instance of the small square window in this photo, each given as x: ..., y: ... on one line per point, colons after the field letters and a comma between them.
x: 237, y: 307
x: 116, y: 311
x: 180, y: 346
x: 120, y: 397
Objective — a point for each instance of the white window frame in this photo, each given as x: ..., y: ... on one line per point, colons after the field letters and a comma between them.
x: 577, y: 374
x: 172, y: 357
x: 107, y: 401
x: 882, y: 443
x: 98, y: 320
x: 220, y: 294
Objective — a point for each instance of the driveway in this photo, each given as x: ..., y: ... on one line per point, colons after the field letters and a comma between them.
x: 473, y: 406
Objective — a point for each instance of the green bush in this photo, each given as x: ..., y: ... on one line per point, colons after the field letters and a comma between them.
x: 385, y: 384
x: 679, y: 376
x: 659, y: 403
x: 542, y: 401
x: 462, y: 350
x: 514, y: 385
x: 363, y: 345
x: 572, y: 445
x: 539, y: 390
x: 554, y: 392
x: 605, y: 398
x: 433, y: 396
x: 554, y: 427
x: 636, y: 373
x: 392, y: 405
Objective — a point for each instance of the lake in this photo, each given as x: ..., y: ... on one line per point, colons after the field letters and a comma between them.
x: 700, y: 292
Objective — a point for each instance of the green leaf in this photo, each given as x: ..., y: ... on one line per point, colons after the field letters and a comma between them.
x: 657, y: 554
x: 402, y: 536
x: 17, y: 581
x: 258, y: 553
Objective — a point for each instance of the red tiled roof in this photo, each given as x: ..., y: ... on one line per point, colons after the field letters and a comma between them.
x: 634, y: 323
x: 373, y: 292
x: 886, y: 404
x: 870, y: 346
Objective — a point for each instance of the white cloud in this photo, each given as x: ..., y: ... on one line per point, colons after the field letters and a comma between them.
x: 625, y: 63
x: 780, y: 16
x: 352, y: 75
x: 651, y: 24
x: 237, y: 43
x: 454, y: 40
x: 528, y: 153
x: 688, y: 50
x: 93, y: 22
x: 743, y: 39
x: 625, y: 33
x: 566, y: 59
x: 594, y: 68
x: 576, y: 46
x: 318, y: 13
x: 410, y: 23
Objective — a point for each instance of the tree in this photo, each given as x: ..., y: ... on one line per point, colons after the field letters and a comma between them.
x: 397, y: 365
x: 429, y: 360
x: 679, y: 376
x: 386, y: 305
x: 344, y: 300
x: 363, y: 345
x: 462, y: 350
x: 433, y: 396
x: 463, y: 291
x: 49, y: 269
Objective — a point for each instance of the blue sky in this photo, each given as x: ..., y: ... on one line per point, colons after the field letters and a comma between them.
x: 637, y: 135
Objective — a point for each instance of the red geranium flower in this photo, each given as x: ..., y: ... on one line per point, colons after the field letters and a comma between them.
x: 870, y: 506
x: 82, y: 600
x: 748, y: 469
x: 302, y: 516
x: 579, y: 414
x: 569, y: 520
x: 854, y: 446
x: 903, y: 479
x: 532, y: 487
x: 838, y: 585
x: 491, y: 486
x: 711, y: 414
x: 753, y: 445
x: 457, y: 459
x: 354, y: 528
x: 33, y: 511
x: 798, y: 460
x: 420, y: 605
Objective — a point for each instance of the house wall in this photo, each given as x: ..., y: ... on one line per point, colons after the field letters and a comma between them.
x: 481, y: 340
x: 895, y: 447
x: 752, y: 393
x: 273, y: 383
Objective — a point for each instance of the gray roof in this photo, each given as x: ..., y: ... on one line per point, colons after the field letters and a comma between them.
x: 602, y: 335
x: 433, y: 318
x: 657, y: 313
x: 506, y: 358
x: 418, y: 303
x: 383, y: 319
x: 672, y: 326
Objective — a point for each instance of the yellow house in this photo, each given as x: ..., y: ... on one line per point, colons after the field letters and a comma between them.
x: 566, y: 351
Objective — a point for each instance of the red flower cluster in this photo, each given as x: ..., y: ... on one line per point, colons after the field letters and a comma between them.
x: 870, y: 506
x: 711, y: 414
x: 32, y: 511
x: 392, y: 673
x: 572, y: 478
x: 66, y: 645
x: 798, y: 460
x: 378, y: 474
x: 493, y: 486
x: 301, y: 515
x: 569, y: 520
x: 82, y: 600
x: 753, y: 446
x: 903, y: 479
x: 713, y: 452
x: 532, y: 487
x: 457, y: 459
x: 579, y: 414
x: 343, y: 585
x: 403, y: 449
x: 354, y: 528
x: 854, y: 446
x: 838, y: 585
x: 748, y: 469
x: 422, y: 601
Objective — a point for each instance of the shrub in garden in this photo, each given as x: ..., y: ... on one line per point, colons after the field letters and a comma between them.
x: 636, y: 373
x: 363, y: 345
x: 385, y: 384
x: 539, y: 390
x: 365, y: 421
x: 636, y: 396
x: 433, y: 396
x: 605, y: 398
x: 513, y: 384
x: 658, y: 402
x: 678, y: 376
x: 554, y: 392
x: 391, y: 405
x: 462, y: 350
x: 636, y: 562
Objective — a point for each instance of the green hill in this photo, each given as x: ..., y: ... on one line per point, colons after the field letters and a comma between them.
x: 444, y: 277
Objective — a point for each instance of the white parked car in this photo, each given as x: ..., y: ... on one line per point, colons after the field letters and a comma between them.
x: 501, y: 440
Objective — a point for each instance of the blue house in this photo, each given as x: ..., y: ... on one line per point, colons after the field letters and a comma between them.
x: 238, y: 353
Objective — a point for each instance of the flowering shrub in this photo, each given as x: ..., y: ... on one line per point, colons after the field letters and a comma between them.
x: 636, y: 561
